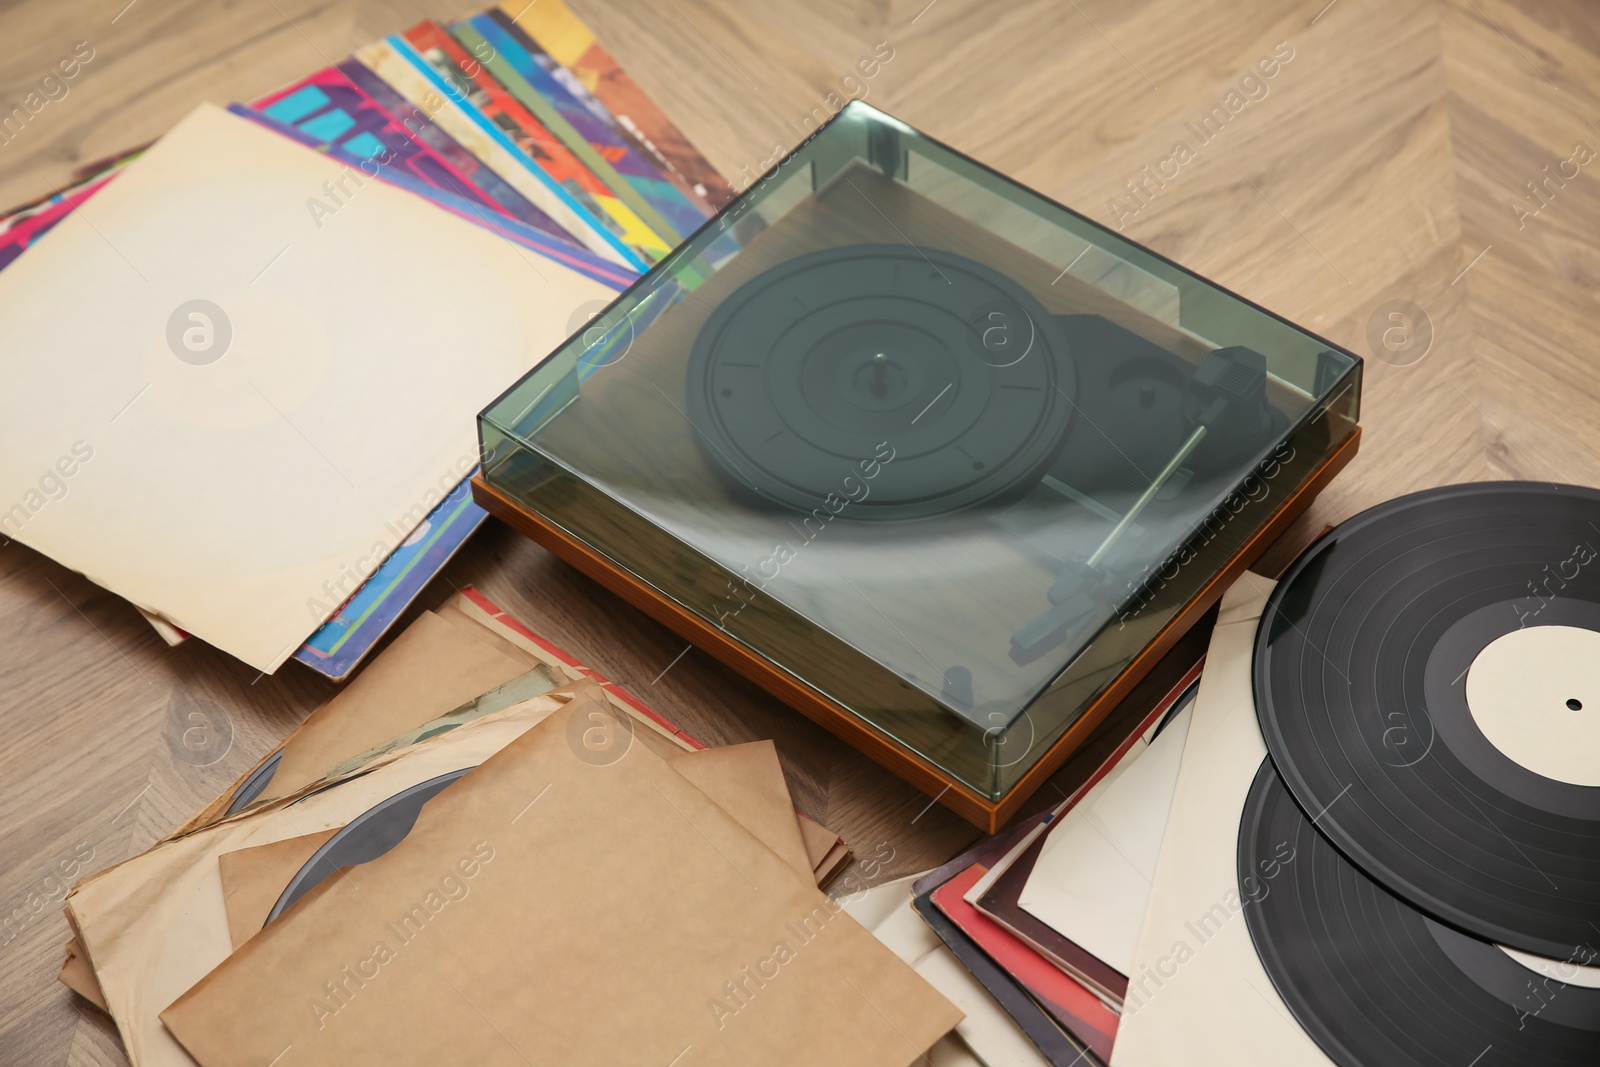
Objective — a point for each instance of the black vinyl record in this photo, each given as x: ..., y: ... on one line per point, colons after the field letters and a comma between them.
x: 254, y: 785
x: 1361, y: 680
x: 1376, y: 983
x: 364, y: 838
x: 949, y: 380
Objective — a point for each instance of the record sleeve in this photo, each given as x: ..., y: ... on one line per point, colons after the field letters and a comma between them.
x: 625, y: 171
x: 573, y: 44
x: 1057, y: 1046
x: 496, y: 111
x: 1000, y: 905
x: 1069, y: 1004
x: 1001, y: 899
x: 1199, y: 994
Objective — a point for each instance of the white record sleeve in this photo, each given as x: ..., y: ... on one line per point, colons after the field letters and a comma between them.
x: 1198, y: 993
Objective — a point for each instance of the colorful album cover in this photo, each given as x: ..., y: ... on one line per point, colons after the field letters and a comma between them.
x: 22, y: 227
x: 348, y: 107
x: 580, y: 259
x: 339, y: 644
x: 39, y: 204
x: 407, y: 73
x: 461, y: 158
x: 569, y: 50
x: 497, y: 41
x: 496, y: 111
x: 579, y: 61
x: 350, y: 113
x: 26, y: 223
x: 84, y: 175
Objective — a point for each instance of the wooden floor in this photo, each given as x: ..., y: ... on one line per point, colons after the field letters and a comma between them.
x: 1383, y: 169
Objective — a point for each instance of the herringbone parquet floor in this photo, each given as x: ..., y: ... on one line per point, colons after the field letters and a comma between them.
x: 1415, y: 179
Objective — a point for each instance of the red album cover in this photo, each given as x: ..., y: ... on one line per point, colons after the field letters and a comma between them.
x: 1001, y: 901
x: 496, y: 612
x: 1000, y: 904
x: 1059, y: 1048
x: 1071, y: 1004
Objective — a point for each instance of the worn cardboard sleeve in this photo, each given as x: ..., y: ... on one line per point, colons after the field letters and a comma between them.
x: 78, y: 976
x: 432, y: 668
x: 565, y: 910
x: 155, y: 924
x: 259, y: 407
x: 744, y: 780
x: 254, y: 878
x: 439, y: 662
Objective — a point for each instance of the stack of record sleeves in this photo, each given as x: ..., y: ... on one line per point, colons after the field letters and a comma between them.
x: 522, y: 123
x: 555, y: 820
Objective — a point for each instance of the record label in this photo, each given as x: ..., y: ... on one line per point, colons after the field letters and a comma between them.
x: 1535, y: 695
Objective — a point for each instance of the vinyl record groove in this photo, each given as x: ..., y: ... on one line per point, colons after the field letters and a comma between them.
x: 1378, y: 984
x: 1418, y: 690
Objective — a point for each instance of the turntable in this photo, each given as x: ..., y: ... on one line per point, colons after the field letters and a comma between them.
x: 941, y: 463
